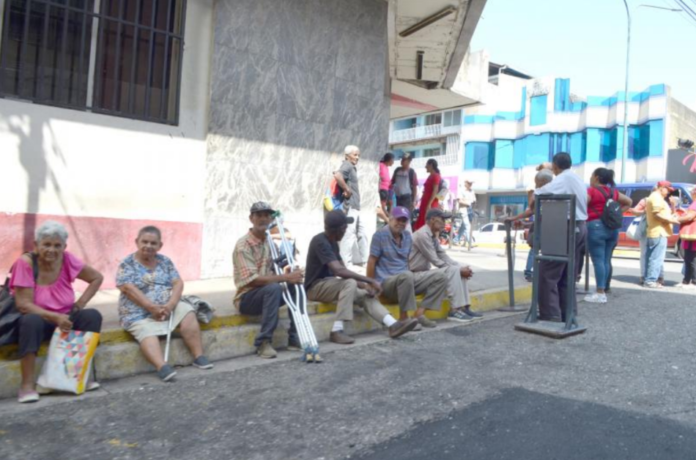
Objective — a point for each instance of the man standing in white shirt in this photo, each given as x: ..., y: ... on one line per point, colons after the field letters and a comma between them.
x: 553, y: 275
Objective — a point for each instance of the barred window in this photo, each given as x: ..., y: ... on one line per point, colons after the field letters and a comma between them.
x: 119, y: 57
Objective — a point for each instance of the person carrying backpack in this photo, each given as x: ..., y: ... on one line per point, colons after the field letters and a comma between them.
x: 605, y: 206
x: 405, y: 183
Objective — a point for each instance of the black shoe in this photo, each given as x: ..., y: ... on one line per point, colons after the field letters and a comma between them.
x: 473, y: 314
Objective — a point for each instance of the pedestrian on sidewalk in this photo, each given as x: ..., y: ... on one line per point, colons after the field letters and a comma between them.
x: 347, y: 178
x: 41, y: 282
x: 601, y: 239
x: 151, y: 291
x: 385, y: 181
x: 687, y: 234
x: 427, y: 252
x: 259, y: 289
x: 639, y: 210
x: 553, y: 275
x: 388, y: 264
x: 430, y: 192
x: 543, y: 177
x: 660, y: 220
x: 467, y: 201
x: 405, y: 184
x: 328, y: 280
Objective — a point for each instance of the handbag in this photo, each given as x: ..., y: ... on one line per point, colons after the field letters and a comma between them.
x: 637, y: 229
x: 203, y: 310
x: 9, y: 315
x: 688, y: 231
x: 69, y: 361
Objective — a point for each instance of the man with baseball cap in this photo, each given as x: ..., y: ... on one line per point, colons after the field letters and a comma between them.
x: 258, y: 289
x: 328, y: 280
x: 427, y: 252
x: 388, y: 264
x: 659, y: 219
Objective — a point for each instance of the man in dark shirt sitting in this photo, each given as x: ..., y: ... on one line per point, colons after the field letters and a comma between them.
x: 328, y: 280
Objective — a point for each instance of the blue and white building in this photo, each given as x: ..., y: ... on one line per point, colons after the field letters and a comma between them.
x: 524, y: 121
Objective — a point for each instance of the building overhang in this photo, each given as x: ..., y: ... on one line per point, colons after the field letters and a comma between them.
x: 429, y: 63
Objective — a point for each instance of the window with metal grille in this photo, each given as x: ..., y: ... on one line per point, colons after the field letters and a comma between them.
x: 119, y: 57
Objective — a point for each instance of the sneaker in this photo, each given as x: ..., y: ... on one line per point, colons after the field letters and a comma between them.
x: 294, y: 345
x: 399, y: 328
x: 425, y: 322
x: 341, y: 338
x: 596, y: 298
x: 653, y: 285
x: 92, y: 386
x: 27, y: 396
x: 266, y: 351
x: 166, y: 373
x: 473, y: 314
x: 418, y: 327
x: 202, y: 363
x: 459, y: 315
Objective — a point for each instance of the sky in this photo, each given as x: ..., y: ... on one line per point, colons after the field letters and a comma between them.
x: 585, y: 40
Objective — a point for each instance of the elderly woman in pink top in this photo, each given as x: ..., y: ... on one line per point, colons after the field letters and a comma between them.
x: 385, y: 180
x: 42, y: 285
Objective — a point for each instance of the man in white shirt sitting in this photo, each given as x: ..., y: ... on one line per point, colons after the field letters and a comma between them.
x: 553, y: 275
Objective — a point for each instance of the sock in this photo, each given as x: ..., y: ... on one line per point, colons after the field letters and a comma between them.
x: 338, y: 326
x: 389, y: 321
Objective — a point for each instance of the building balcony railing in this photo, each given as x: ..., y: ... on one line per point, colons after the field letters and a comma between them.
x: 422, y: 132
x: 414, y: 134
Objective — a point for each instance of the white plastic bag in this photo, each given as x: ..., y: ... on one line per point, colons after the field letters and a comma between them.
x: 637, y: 229
x: 69, y: 361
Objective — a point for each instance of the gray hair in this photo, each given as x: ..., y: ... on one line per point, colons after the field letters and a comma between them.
x: 544, y: 176
x: 350, y: 149
x: 51, y: 229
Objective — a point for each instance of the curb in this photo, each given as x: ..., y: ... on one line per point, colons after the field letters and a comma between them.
x: 229, y: 337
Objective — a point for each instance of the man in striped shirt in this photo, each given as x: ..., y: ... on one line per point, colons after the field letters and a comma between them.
x: 258, y: 289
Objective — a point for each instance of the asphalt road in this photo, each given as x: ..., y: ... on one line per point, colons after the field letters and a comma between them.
x: 622, y: 390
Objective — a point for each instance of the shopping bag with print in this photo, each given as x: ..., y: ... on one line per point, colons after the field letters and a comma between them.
x: 69, y: 361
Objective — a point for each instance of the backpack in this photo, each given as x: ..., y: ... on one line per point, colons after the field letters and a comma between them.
x: 333, y: 196
x: 612, y: 216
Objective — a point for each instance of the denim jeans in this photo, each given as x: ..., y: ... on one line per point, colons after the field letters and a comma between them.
x: 655, y: 251
x: 601, y: 242
x: 465, y: 229
x: 529, y: 269
x: 266, y: 301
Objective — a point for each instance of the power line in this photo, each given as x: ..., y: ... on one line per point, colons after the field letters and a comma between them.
x: 687, y: 9
x: 683, y: 14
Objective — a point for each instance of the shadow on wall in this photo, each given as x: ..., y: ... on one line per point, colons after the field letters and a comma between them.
x: 100, y: 242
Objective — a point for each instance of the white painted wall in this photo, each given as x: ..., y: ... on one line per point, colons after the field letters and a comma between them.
x: 69, y: 162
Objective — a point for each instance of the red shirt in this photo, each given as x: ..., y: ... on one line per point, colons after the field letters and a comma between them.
x: 597, y: 202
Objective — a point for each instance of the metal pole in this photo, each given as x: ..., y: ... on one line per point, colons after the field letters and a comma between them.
x: 511, y: 268
x: 624, y: 152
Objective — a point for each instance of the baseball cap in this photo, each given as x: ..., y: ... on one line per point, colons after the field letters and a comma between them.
x: 437, y: 213
x: 337, y: 219
x: 261, y: 206
x: 400, y: 212
x: 666, y: 183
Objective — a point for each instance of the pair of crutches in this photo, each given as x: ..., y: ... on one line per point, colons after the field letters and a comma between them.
x: 297, y: 304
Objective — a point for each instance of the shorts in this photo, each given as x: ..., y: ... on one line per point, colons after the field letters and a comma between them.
x: 148, y: 327
x: 384, y: 195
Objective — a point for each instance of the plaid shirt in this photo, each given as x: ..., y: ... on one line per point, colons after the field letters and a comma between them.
x: 251, y: 258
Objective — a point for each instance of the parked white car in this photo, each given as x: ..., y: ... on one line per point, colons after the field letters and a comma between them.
x: 495, y: 233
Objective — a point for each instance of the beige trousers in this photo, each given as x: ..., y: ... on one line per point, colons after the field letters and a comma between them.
x: 345, y: 293
x: 404, y: 287
x: 457, y: 287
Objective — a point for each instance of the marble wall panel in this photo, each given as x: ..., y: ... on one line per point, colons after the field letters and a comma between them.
x: 293, y: 83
